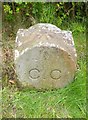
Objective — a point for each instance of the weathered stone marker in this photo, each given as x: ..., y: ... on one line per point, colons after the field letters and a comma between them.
x: 45, y: 56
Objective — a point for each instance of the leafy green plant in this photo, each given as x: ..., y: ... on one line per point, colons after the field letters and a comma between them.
x: 9, y: 12
x: 48, y: 13
x: 77, y: 27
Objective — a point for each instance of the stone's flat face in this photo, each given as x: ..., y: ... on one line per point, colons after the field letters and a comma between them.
x: 45, y: 57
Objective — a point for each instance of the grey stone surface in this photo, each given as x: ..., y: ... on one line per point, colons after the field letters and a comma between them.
x: 45, y: 56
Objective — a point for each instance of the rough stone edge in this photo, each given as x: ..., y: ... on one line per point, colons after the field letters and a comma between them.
x: 67, y: 35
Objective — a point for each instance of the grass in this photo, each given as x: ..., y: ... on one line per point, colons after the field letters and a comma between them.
x: 68, y: 102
